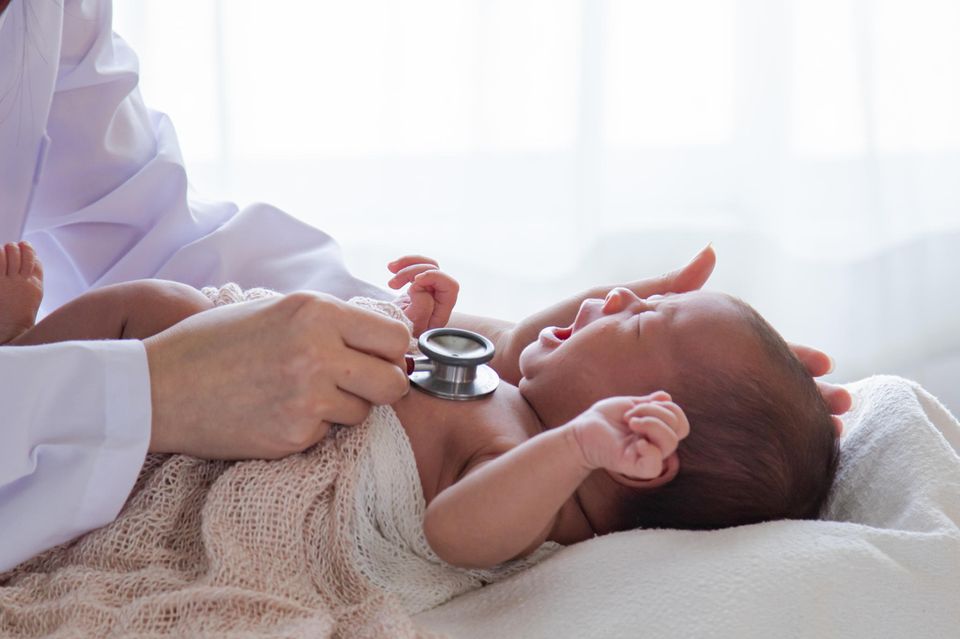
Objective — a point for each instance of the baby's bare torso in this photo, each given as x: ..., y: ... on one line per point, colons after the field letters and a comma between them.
x: 445, y: 435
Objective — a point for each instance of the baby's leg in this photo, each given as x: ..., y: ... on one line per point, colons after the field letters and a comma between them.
x: 21, y: 289
x: 131, y: 310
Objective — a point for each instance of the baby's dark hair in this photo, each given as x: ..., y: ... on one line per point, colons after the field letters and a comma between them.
x: 762, y: 444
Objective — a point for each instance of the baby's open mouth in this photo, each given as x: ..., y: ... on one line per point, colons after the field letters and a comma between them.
x: 562, y: 333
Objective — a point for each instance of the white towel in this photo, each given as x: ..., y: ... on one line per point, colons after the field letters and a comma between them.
x: 888, y: 565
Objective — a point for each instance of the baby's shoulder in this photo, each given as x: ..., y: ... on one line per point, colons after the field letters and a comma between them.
x: 448, y: 436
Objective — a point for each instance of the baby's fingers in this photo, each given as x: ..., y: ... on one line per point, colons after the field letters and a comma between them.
x: 657, y: 433
x: 445, y: 290
x: 408, y: 274
x: 666, y: 411
x: 409, y: 260
x: 649, y: 463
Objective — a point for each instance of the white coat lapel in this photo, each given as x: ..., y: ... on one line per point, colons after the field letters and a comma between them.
x: 29, y: 58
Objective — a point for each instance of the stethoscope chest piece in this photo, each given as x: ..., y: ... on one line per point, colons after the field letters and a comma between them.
x: 454, y: 365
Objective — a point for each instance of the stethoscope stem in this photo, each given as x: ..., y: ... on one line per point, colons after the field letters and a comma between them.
x: 417, y: 364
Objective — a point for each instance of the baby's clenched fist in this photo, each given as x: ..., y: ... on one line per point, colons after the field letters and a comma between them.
x: 633, y: 436
x: 429, y: 301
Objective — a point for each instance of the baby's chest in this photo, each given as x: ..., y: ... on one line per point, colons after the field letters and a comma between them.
x: 445, y: 435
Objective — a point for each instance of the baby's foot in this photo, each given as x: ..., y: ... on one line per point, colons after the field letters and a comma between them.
x: 21, y: 289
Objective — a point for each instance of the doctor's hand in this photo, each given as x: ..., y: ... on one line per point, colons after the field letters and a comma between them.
x: 837, y: 398
x: 266, y: 379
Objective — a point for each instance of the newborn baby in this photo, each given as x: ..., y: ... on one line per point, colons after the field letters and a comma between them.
x: 586, y: 444
x: 590, y: 440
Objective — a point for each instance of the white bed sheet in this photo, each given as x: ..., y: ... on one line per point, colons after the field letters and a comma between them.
x: 888, y: 565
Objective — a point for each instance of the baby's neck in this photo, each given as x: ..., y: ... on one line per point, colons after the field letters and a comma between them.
x: 513, y: 400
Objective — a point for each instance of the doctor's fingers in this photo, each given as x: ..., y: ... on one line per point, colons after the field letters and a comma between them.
x: 358, y: 328
x: 369, y: 378
x: 689, y: 277
x: 345, y: 408
x: 814, y: 360
x: 838, y: 399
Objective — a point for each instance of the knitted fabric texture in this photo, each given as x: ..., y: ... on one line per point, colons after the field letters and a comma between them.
x: 324, y: 543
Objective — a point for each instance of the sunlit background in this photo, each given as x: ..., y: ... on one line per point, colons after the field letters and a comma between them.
x: 539, y: 146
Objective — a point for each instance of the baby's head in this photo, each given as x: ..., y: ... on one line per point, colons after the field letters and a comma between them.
x: 762, y: 444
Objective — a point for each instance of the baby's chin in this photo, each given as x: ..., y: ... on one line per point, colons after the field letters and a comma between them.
x: 523, y: 386
x: 524, y: 358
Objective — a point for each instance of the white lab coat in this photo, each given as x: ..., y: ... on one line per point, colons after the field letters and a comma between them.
x: 95, y: 181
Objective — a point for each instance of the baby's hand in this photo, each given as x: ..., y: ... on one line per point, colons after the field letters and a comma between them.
x: 631, y: 435
x: 432, y: 295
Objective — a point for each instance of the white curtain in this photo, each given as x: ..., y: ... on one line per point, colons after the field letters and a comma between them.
x: 538, y: 146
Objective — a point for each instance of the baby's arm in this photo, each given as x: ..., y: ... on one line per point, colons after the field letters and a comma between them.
x: 505, y: 506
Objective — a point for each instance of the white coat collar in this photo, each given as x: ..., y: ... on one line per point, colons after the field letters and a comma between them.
x: 29, y: 58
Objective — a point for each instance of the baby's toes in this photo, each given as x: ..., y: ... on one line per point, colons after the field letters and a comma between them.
x: 28, y: 259
x: 12, y: 252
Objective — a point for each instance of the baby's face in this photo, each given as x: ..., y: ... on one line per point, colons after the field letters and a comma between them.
x: 627, y: 345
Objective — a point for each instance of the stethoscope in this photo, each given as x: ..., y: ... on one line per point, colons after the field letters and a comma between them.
x: 453, y: 364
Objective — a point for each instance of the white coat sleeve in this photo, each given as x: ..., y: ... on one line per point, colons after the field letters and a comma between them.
x: 76, y: 426
x: 112, y: 201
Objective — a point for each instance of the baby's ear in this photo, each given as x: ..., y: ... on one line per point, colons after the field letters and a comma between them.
x: 671, y: 468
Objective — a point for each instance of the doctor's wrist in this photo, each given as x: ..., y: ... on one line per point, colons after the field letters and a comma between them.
x: 163, y: 422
